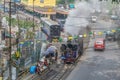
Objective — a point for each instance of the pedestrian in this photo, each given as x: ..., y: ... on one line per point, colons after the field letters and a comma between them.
x: 94, y: 33
x: 46, y: 63
x: 65, y: 39
x: 56, y: 55
x: 38, y: 68
x: 63, y: 47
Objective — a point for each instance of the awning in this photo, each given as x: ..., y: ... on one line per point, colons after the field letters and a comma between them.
x: 42, y: 10
x: 61, y: 11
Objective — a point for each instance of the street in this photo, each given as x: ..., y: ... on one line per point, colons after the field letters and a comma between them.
x: 99, y: 65
x: 57, y: 40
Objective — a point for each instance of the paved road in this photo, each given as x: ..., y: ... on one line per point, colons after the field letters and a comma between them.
x: 99, y: 65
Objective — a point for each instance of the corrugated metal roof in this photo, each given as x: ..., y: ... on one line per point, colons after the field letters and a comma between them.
x: 62, y: 11
x: 49, y: 21
x: 42, y: 10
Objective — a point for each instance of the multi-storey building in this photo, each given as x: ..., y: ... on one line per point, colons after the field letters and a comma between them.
x: 41, y: 3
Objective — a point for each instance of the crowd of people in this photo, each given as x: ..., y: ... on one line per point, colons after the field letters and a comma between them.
x: 51, y: 55
x: 68, y: 52
x: 48, y: 59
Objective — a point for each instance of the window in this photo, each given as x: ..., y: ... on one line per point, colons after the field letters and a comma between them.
x: 99, y: 42
x: 41, y: 1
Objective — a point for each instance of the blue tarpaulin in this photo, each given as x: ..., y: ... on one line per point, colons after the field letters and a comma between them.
x: 33, y: 69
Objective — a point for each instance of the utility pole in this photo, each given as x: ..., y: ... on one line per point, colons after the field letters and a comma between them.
x: 33, y: 16
x: 18, y: 36
x: 10, y: 60
x: 1, y: 63
x: 34, y: 41
x: 4, y: 5
x: 66, y: 3
x: 17, y: 40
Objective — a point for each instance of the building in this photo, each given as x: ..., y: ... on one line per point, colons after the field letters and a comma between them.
x: 40, y: 3
x: 61, y: 13
x: 43, y: 8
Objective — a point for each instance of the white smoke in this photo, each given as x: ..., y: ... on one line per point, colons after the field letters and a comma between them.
x: 78, y: 17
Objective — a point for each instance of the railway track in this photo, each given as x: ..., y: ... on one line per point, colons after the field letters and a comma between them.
x: 61, y: 74
x: 64, y: 73
x: 58, y: 71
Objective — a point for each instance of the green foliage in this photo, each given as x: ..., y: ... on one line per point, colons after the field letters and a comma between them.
x: 60, y: 39
x: 115, y: 1
x: 71, y: 1
x: 22, y: 23
x: 6, y: 49
x: 25, y: 0
x: 30, y: 35
x: 0, y: 1
x: 60, y: 1
x: 13, y: 21
x: 27, y: 24
x: 63, y: 1
x: 14, y: 56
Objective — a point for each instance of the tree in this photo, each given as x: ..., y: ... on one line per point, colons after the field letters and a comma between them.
x: 60, y: 1
x: 65, y: 1
x: 22, y: 23
x: 116, y: 1
x: 30, y: 35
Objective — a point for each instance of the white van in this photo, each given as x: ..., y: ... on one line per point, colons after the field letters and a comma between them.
x: 94, y: 18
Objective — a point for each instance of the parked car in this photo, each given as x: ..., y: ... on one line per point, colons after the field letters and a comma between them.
x: 94, y: 19
x: 110, y: 36
x: 99, y: 44
x: 114, y: 17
